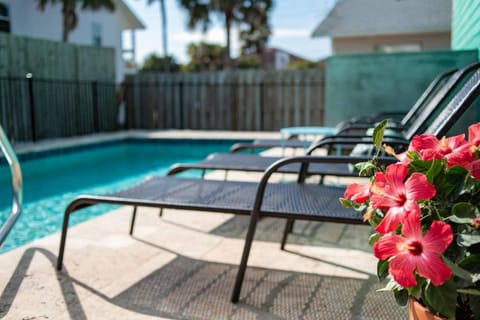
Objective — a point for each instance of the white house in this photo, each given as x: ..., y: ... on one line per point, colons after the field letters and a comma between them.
x: 368, y: 26
x: 97, y: 28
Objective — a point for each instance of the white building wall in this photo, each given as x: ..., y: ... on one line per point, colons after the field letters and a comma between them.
x: 27, y: 20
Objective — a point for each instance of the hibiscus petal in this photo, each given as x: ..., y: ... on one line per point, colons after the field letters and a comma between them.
x: 418, y: 188
x: 438, y: 237
x: 474, y: 134
x: 432, y: 267
x: 382, y: 201
x: 456, y: 141
x: 431, y: 154
x: 474, y: 168
x: 392, y: 219
x: 424, y: 141
x: 401, y: 268
x: 387, y: 246
x: 395, y: 176
x: 411, y: 227
x: 460, y: 157
x: 357, y: 192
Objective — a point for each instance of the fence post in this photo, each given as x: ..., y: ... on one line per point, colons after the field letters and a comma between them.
x: 95, y: 106
x: 180, y: 89
x: 262, y: 107
x: 31, y: 99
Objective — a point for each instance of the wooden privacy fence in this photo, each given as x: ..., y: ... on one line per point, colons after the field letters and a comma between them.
x: 34, y: 109
x: 237, y: 100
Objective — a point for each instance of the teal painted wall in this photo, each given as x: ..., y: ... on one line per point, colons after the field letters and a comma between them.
x: 465, y: 24
x: 361, y: 85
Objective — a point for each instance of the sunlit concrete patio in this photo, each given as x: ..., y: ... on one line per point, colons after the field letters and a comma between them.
x: 182, y: 266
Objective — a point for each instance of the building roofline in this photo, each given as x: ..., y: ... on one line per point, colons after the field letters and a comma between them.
x: 131, y: 21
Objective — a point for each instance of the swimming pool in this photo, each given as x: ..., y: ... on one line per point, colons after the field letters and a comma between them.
x: 52, y: 179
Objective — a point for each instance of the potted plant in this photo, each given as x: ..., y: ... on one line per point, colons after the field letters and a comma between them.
x: 425, y: 213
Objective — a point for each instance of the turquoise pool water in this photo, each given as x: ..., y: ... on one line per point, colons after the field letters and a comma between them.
x: 52, y: 180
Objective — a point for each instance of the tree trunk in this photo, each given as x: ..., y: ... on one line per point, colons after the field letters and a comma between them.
x: 69, y: 19
x: 163, y: 14
x: 228, y: 22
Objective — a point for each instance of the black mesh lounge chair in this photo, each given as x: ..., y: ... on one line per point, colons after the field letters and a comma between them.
x: 433, y: 96
x: 281, y: 200
x: 256, y: 163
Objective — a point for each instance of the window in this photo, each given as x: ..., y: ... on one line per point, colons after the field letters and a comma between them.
x: 4, y: 18
x: 97, y: 34
x: 393, y: 48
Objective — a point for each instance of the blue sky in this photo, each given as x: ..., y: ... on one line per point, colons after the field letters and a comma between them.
x: 292, y: 23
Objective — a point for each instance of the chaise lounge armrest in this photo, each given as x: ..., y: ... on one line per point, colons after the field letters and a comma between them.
x: 306, y: 160
x: 294, y: 143
x: 329, y: 143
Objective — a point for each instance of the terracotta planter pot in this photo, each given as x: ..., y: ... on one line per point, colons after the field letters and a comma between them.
x: 416, y: 311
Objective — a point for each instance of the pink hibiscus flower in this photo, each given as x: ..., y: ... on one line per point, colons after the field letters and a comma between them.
x: 414, y: 251
x: 390, y: 192
x: 358, y: 193
x: 455, y: 149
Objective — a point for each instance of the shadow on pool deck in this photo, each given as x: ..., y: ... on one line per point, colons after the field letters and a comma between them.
x: 190, y: 288
x: 183, y: 267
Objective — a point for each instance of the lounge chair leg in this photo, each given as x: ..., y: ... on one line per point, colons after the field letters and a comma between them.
x: 63, y: 240
x: 322, y: 179
x: 160, y: 213
x: 132, y: 223
x: 288, y: 229
x: 290, y: 224
x: 203, y: 173
x: 243, y: 263
x: 74, y: 205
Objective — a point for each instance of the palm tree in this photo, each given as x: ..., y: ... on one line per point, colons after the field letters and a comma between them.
x: 231, y: 11
x: 163, y: 16
x: 69, y: 7
x: 255, y: 33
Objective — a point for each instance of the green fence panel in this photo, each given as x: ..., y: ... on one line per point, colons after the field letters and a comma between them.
x: 362, y: 85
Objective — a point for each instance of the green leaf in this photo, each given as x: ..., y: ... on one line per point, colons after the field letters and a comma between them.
x: 382, y: 269
x: 401, y: 296
x: 471, y: 263
x: 467, y: 240
x: 367, y: 168
x: 420, y: 166
x: 463, y: 213
x: 435, y: 169
x: 473, y: 292
x: 458, y: 271
x: 378, y: 133
x: 459, y: 220
x: 346, y: 203
x: 465, y: 210
x: 452, y: 184
x: 441, y: 299
x: 373, y: 238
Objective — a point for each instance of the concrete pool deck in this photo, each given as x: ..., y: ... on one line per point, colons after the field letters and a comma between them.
x: 182, y: 266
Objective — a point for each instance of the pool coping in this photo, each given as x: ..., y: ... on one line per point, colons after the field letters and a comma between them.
x: 78, y: 141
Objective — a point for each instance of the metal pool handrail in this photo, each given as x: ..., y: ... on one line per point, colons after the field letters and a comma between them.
x: 17, y: 186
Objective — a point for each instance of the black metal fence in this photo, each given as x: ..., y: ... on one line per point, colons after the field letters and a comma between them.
x: 32, y: 109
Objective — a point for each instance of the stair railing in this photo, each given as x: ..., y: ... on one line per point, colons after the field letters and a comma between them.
x: 17, y: 186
